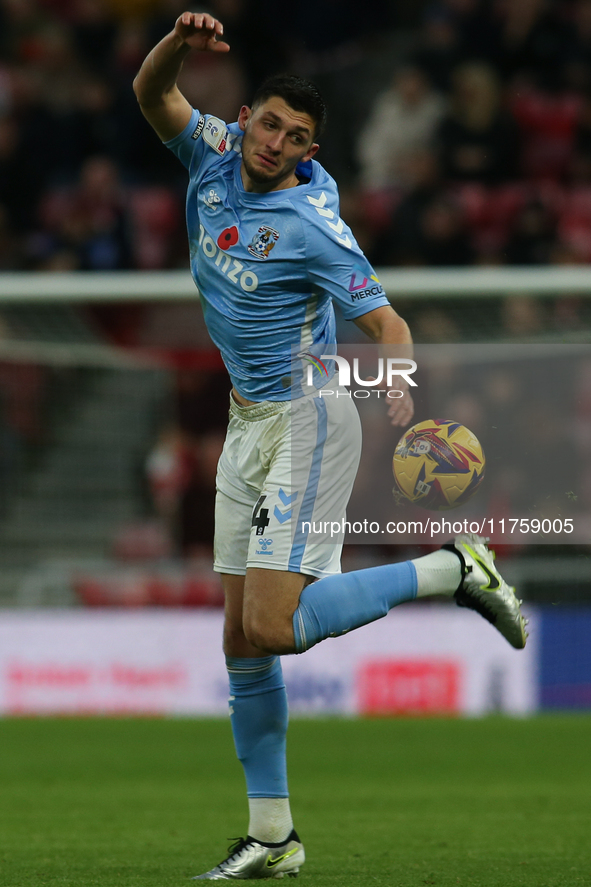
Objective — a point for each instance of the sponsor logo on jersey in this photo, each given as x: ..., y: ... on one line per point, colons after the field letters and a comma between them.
x: 234, y: 270
x: 216, y: 134
x: 263, y: 242
x: 212, y: 199
x: 199, y: 129
x: 359, y: 288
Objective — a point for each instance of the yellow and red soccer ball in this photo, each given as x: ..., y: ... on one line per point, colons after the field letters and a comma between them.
x: 438, y: 464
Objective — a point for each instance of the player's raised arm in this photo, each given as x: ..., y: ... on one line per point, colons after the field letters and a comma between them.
x: 162, y: 103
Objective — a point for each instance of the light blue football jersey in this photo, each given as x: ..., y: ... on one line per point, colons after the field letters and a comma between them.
x: 268, y: 266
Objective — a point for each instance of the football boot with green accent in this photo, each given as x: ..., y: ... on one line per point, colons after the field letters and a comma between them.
x: 483, y: 589
x: 253, y: 859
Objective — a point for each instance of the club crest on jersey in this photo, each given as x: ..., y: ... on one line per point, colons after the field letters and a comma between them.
x: 263, y: 242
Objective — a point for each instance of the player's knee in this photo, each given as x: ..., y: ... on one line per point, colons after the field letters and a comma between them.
x: 234, y: 639
x: 268, y: 635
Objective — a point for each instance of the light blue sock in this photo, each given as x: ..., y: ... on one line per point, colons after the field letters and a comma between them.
x: 258, y: 711
x: 339, y: 603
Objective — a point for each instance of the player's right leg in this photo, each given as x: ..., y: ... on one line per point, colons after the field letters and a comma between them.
x: 258, y: 701
x: 258, y: 713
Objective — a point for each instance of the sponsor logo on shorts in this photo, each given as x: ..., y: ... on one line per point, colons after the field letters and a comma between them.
x: 263, y: 242
x: 265, y: 546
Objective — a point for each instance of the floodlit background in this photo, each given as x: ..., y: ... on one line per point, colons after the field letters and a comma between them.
x: 460, y: 135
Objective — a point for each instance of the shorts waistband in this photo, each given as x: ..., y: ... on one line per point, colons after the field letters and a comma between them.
x: 257, y: 411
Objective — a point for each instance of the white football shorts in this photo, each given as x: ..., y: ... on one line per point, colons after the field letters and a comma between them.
x: 285, y: 466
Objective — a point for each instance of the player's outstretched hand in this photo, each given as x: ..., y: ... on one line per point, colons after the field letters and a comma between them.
x: 201, y: 31
x: 401, y: 409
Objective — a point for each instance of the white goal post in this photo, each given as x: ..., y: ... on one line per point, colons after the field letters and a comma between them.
x: 407, y: 283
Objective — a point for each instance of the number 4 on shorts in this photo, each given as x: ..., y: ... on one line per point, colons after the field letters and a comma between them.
x: 260, y: 517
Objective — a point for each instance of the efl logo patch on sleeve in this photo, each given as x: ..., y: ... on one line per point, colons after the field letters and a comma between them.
x: 199, y: 129
x: 216, y: 134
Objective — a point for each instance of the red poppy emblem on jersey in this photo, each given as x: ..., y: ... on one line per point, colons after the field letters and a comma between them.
x: 228, y: 237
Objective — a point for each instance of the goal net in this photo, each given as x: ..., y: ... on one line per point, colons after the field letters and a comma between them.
x: 113, y: 404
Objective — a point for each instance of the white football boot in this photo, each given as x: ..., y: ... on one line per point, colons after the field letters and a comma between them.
x: 252, y: 859
x: 483, y: 589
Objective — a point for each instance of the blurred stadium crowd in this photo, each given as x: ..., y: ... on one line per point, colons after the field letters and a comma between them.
x: 459, y: 130
x: 459, y: 133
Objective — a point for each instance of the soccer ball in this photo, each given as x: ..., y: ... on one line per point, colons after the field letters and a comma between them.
x: 438, y: 464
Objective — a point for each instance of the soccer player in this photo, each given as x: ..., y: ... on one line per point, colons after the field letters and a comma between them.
x: 269, y: 254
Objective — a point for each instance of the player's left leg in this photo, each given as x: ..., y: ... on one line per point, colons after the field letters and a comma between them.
x: 311, y: 483
x: 291, y: 622
x: 340, y: 603
x: 308, y: 484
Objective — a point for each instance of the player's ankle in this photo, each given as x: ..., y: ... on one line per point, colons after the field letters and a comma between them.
x: 270, y: 820
x: 438, y: 573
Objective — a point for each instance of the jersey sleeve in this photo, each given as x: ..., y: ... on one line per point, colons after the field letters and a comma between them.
x: 336, y: 264
x: 202, y: 133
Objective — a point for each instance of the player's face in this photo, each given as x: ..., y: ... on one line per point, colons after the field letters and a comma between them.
x: 276, y: 139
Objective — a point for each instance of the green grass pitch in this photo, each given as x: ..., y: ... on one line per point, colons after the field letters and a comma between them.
x: 404, y: 803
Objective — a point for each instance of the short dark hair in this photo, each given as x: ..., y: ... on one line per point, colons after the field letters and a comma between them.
x: 299, y: 93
